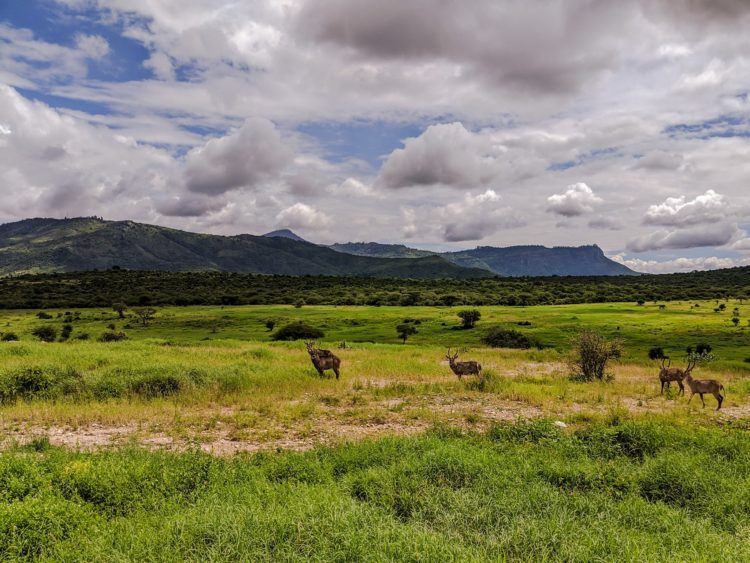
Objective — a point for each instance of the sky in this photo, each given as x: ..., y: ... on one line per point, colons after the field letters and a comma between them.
x: 439, y: 124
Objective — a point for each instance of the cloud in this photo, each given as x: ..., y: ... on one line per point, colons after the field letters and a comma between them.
x: 577, y: 200
x: 94, y: 46
x: 710, y: 235
x: 710, y: 207
x: 607, y: 223
x: 446, y: 154
x: 476, y: 217
x: 679, y: 264
x: 302, y: 216
x: 247, y: 156
x: 161, y: 65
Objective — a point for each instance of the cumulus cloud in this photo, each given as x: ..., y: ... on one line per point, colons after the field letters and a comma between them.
x: 679, y: 264
x: 578, y: 199
x: 709, y: 235
x: 446, y: 154
x: 161, y: 65
x: 94, y: 46
x: 709, y: 207
x: 253, y: 153
x: 302, y: 216
x: 476, y: 217
x: 607, y: 223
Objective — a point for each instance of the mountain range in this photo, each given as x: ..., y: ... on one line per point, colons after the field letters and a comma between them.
x: 88, y: 243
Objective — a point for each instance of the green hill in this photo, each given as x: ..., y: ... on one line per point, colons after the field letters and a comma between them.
x: 66, y: 245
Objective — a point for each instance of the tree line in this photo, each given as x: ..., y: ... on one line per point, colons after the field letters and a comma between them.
x: 147, y: 288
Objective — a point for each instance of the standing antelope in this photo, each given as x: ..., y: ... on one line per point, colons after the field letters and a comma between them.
x: 463, y: 368
x: 703, y: 386
x: 323, y: 359
x: 669, y: 374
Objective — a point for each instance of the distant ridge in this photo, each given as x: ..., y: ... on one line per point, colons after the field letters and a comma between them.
x: 285, y: 233
x: 512, y: 261
x: 90, y: 243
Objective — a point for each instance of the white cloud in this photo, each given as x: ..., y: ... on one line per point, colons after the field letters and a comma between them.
x: 93, y: 46
x: 446, y: 154
x: 577, y: 200
x: 161, y: 65
x: 302, y: 216
x: 695, y: 237
x: 253, y: 153
x: 710, y: 207
x: 476, y: 217
x: 679, y: 264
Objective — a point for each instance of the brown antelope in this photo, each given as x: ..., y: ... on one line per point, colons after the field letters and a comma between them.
x: 463, y: 368
x: 703, y: 386
x: 323, y: 359
x: 669, y: 374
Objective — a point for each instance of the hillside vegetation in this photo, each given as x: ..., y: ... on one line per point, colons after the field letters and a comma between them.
x: 65, y: 245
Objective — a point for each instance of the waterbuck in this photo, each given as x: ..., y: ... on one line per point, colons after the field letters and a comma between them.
x: 669, y: 374
x: 323, y: 359
x: 703, y: 386
x: 463, y: 368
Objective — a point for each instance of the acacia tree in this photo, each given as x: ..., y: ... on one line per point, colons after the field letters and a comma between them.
x: 120, y: 309
x: 469, y: 317
x: 145, y: 314
x: 405, y: 330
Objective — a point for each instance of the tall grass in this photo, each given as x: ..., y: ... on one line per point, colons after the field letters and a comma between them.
x: 525, y: 491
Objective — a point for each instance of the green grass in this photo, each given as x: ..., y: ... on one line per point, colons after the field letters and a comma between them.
x: 631, y: 491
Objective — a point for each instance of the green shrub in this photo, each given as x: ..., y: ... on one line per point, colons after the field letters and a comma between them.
x: 469, y: 318
x: 45, y: 333
x: 156, y: 385
x: 590, y: 355
x: 298, y: 331
x: 112, y: 336
x: 9, y: 337
x: 499, y: 337
x: 39, y: 383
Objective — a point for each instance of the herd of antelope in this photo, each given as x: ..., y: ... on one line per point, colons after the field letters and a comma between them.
x: 324, y: 360
x: 699, y: 386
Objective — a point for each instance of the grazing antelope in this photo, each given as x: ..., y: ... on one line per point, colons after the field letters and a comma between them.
x: 463, y: 368
x: 669, y: 374
x: 703, y: 386
x: 323, y: 359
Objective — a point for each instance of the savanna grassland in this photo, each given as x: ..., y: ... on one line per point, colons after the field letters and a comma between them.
x: 199, y: 437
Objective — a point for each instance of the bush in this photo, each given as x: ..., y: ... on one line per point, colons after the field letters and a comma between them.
x: 700, y: 349
x: 9, y: 337
x: 67, y: 329
x: 469, y: 318
x: 45, y: 333
x: 656, y: 353
x: 405, y: 330
x: 112, y: 336
x: 590, y: 355
x: 298, y: 331
x: 499, y: 337
x: 43, y: 315
x: 156, y: 385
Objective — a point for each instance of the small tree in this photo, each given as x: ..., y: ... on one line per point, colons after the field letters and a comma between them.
x: 298, y: 331
x: 120, y: 309
x: 405, y: 330
x: 736, y: 321
x: 270, y: 324
x: 469, y: 318
x: 9, y: 337
x: 145, y: 314
x: 591, y: 353
x: 45, y: 333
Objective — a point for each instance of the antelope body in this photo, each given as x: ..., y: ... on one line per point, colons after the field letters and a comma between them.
x: 669, y: 374
x: 323, y: 360
x: 703, y: 386
x: 463, y: 368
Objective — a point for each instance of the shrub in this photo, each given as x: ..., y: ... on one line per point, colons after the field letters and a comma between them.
x: 82, y: 336
x: 156, y: 385
x: 298, y: 331
x: 112, y: 336
x: 120, y: 309
x: 270, y: 324
x: 45, y: 333
x: 656, y: 353
x: 499, y: 337
x: 9, y: 337
x: 67, y: 329
x: 469, y: 318
x: 701, y: 349
x: 43, y: 315
x: 590, y: 355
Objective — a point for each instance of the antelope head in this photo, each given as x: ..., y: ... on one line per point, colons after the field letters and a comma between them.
x: 668, y: 360
x: 451, y: 357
